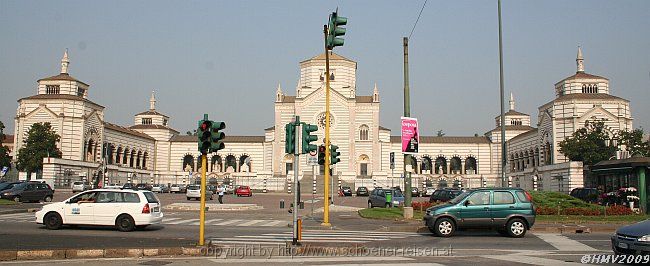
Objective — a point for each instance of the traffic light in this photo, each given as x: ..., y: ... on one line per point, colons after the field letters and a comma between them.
x: 334, y: 30
x: 307, y: 138
x: 217, y: 136
x: 205, y: 136
x: 290, y: 134
x: 321, y: 155
x: 334, y: 154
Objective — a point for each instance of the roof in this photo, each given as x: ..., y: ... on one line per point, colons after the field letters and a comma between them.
x: 152, y: 127
x: 525, y: 134
x: 63, y: 76
x: 513, y: 112
x: 59, y: 96
x: 364, y: 99
x: 289, y: 99
x: 228, y: 139
x: 588, y: 96
x: 270, y: 128
x: 152, y: 112
x: 623, y: 163
x: 515, y: 127
x: 127, y: 131
x: 8, y: 139
x: 582, y: 75
x: 445, y: 139
x: 333, y: 56
x: 384, y: 128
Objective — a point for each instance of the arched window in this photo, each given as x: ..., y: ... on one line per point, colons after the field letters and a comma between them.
x: 215, y: 164
x: 441, y: 165
x: 132, y: 158
x: 125, y: 157
x: 188, y: 163
x: 470, y: 166
x: 118, y: 155
x: 244, y: 163
x: 144, y: 160
x: 455, y: 165
x: 425, y: 168
x: 231, y: 164
x: 363, y: 132
x: 137, y: 161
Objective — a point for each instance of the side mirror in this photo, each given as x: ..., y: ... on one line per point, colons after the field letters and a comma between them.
x: 467, y: 203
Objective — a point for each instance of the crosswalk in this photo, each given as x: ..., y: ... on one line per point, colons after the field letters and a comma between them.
x: 30, y: 217
x: 311, y: 236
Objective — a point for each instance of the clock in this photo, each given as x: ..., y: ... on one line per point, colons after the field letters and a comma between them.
x: 320, y: 120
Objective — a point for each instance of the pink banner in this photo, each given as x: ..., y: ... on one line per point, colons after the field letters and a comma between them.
x: 410, y: 135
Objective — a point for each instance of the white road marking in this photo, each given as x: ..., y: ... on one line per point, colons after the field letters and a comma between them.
x: 310, y: 259
x: 249, y: 223
x: 206, y: 221
x: 228, y: 222
x: 530, y: 260
x: 564, y: 243
x: 183, y: 221
x: 274, y: 223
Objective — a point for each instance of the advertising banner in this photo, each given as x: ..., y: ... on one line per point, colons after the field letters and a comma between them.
x: 410, y: 135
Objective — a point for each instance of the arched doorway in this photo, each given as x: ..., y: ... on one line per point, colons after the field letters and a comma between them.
x: 470, y: 166
x: 426, y: 165
x: 188, y: 163
x: 231, y: 164
x: 216, y: 164
x: 288, y: 163
x: 455, y: 165
x: 442, y: 183
x: 244, y: 163
x: 363, y: 165
x: 441, y: 165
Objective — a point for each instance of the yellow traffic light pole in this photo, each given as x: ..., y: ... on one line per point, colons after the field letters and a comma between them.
x: 202, y: 212
x: 326, y: 207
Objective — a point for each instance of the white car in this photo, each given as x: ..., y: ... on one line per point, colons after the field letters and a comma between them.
x: 194, y: 192
x: 124, y: 209
x: 429, y: 191
x: 79, y: 186
x: 113, y: 186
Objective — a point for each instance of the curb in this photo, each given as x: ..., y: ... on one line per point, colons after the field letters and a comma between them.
x: 6, y: 255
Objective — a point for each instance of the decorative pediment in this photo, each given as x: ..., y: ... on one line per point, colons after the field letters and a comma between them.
x: 42, y: 111
x: 597, y: 113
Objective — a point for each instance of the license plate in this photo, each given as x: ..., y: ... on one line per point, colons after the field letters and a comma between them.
x: 622, y: 245
x: 156, y: 209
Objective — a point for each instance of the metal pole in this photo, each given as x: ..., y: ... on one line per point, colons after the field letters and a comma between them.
x: 295, y: 182
x: 503, y: 106
x: 407, y: 113
x: 202, y: 211
x: 326, y: 207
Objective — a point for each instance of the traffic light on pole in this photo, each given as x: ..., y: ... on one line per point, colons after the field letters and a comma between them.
x: 216, y: 141
x: 290, y: 140
x: 307, y: 138
x: 321, y: 155
x: 334, y: 154
x: 205, y: 136
x: 334, y: 30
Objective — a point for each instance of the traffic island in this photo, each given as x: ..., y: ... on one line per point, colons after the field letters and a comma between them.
x: 7, y: 255
x: 196, y: 206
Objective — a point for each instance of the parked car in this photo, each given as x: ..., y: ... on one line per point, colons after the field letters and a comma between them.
x: 129, y: 186
x: 385, y: 198
x: 212, y: 188
x: 194, y: 192
x: 143, y: 186
x: 176, y: 188
x: 428, y: 191
x: 508, y: 210
x: 244, y: 190
x: 633, y: 239
x: 590, y: 195
x: 113, y: 186
x: 29, y: 192
x: 7, y: 185
x: 79, y: 186
x: 345, y: 191
x: 444, y: 195
x: 126, y: 210
x: 160, y: 188
x: 362, y: 191
x: 229, y: 189
x: 415, y: 192
x: 49, y: 182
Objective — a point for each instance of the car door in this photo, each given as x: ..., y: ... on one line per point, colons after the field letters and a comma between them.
x: 29, y: 193
x: 80, y: 209
x: 41, y: 191
x: 503, y: 204
x: 475, y: 210
x: 106, y: 208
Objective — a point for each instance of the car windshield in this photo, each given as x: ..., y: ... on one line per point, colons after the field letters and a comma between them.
x: 398, y: 193
x: 78, y: 183
x: 194, y: 187
x: 151, y: 198
x: 459, y: 198
x: 19, y: 186
x: 4, y: 186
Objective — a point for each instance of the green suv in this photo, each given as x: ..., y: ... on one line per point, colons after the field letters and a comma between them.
x: 508, y: 210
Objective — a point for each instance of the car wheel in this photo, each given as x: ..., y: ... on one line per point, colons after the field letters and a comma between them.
x: 369, y: 205
x: 52, y: 221
x: 125, y: 223
x: 516, y: 227
x: 444, y: 227
x: 17, y: 198
x: 48, y: 199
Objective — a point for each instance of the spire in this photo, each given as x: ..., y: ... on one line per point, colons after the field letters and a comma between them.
x: 512, y: 102
x: 375, y: 94
x: 65, y: 62
x: 152, y: 102
x: 279, y: 88
x: 580, y: 61
x: 278, y: 94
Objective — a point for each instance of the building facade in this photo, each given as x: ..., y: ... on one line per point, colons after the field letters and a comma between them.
x: 150, y: 150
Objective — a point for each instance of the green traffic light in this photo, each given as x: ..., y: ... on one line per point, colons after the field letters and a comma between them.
x: 334, y: 30
x: 290, y: 132
x: 334, y: 154
x: 307, y: 138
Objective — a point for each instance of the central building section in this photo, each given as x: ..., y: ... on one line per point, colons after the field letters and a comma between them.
x: 354, y: 120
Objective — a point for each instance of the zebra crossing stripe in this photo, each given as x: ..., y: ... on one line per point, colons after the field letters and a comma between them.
x: 354, y: 237
x: 165, y: 220
x: 228, y: 222
x: 17, y: 216
x: 251, y: 222
x: 183, y: 221
x: 206, y: 221
x: 274, y: 223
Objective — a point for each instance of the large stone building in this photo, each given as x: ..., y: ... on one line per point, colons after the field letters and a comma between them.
x: 151, y: 151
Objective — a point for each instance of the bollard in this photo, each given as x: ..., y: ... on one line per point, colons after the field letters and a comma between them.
x: 339, y: 183
x: 314, y: 189
x: 281, y: 204
x: 299, y: 229
x: 264, y: 190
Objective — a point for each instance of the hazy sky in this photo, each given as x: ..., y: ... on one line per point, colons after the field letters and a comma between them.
x: 226, y: 58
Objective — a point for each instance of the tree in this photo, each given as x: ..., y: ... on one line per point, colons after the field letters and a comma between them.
x: 633, y: 141
x: 40, y: 143
x: 588, y: 144
x: 4, y: 151
x: 440, y: 133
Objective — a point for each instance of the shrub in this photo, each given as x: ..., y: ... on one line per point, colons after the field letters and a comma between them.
x: 619, y: 210
x: 420, y: 205
x: 581, y: 211
x: 545, y: 211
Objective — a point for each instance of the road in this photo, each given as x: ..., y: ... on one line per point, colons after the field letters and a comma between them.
x: 268, y: 228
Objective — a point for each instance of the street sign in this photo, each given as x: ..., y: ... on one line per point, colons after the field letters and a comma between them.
x: 410, y: 136
x: 312, y: 159
x: 392, y: 160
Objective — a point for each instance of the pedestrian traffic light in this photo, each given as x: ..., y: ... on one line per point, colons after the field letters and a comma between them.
x: 217, y: 136
x: 334, y: 30
x: 321, y: 155
x: 205, y: 136
x: 334, y: 154
x: 290, y: 141
x: 307, y: 138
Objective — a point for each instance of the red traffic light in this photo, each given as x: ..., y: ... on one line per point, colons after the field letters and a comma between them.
x: 321, y: 148
x: 205, y: 125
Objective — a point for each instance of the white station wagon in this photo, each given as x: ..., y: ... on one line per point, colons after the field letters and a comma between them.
x: 124, y: 209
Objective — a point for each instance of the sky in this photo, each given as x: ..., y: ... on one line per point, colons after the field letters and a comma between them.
x: 226, y: 58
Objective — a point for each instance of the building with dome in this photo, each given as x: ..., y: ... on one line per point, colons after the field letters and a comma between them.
x: 150, y: 150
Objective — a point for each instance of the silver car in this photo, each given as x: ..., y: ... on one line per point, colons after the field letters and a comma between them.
x: 194, y: 192
x: 79, y: 186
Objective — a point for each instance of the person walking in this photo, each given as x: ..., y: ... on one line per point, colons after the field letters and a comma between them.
x: 220, y: 191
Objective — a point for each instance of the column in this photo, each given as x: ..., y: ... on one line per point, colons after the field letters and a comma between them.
x: 462, y: 166
x: 643, y: 190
